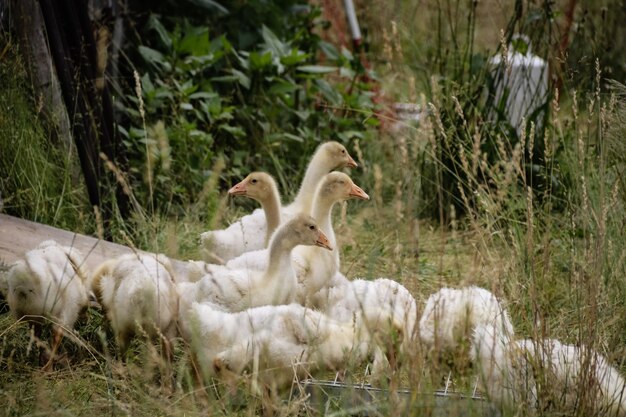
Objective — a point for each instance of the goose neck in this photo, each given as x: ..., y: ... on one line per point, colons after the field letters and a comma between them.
x: 314, y: 173
x: 279, y: 253
x: 271, y: 207
x: 322, y: 212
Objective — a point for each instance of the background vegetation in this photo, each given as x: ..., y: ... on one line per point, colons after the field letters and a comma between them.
x: 460, y: 197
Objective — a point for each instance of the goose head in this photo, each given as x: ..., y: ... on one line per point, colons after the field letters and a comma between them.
x: 24, y: 289
x: 337, y: 186
x: 257, y: 185
x: 336, y: 156
x: 303, y: 230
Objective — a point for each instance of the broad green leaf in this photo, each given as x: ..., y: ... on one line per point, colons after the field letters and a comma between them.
x: 203, y: 94
x: 329, y: 50
x: 303, y: 114
x: 331, y: 94
x: 346, y: 53
x: 153, y: 56
x: 122, y: 131
x: 164, y: 36
x: 236, y: 131
x: 163, y: 93
x: 196, y: 41
x: 186, y: 106
x: 146, y: 84
x: 293, y: 137
x: 137, y: 133
x: 224, y: 78
x: 346, y: 72
x: 275, y: 45
x: 210, y: 5
x: 317, y: 69
x: 283, y: 87
x: 294, y: 58
x: 241, y: 78
x: 259, y: 61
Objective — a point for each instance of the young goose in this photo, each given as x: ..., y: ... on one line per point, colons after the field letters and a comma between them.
x: 261, y: 187
x: 238, y: 289
x: 138, y: 293
x: 385, y: 307
x: 451, y: 315
x: 48, y: 282
x: 273, y: 338
x: 249, y: 232
x: 314, y: 267
x: 531, y: 374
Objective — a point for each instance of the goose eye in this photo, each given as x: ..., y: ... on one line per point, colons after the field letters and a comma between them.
x: 254, y: 181
x: 343, y: 151
x: 312, y: 227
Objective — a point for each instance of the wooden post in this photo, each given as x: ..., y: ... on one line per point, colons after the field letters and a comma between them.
x: 74, y: 52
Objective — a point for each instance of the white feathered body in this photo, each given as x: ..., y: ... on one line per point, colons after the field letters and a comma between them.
x: 244, y: 235
x: 236, y: 290
x: 385, y: 308
x: 48, y: 282
x: 451, y: 314
x: 272, y: 337
x: 320, y: 299
x: 535, y: 374
x: 139, y: 292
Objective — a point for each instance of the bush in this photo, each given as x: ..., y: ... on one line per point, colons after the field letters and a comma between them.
x: 263, y: 108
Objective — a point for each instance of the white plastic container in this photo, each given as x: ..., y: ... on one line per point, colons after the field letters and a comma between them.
x: 525, y: 85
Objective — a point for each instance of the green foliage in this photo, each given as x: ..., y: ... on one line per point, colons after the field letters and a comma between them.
x: 39, y: 179
x: 263, y: 108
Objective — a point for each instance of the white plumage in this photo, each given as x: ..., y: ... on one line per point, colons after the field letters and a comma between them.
x: 269, y: 339
x: 320, y: 299
x: 249, y: 232
x: 385, y: 307
x: 238, y: 289
x: 314, y: 266
x: 48, y: 282
x: 546, y: 373
x: 451, y: 315
x: 138, y: 292
x: 261, y: 187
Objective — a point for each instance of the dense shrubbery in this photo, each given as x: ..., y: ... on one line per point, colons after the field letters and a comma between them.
x: 265, y: 107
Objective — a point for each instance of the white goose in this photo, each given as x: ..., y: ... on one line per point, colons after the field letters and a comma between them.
x: 270, y: 339
x: 261, y: 187
x: 314, y: 267
x: 249, y: 232
x: 451, y: 315
x: 533, y: 374
x: 238, y: 289
x: 138, y: 292
x: 385, y: 307
x: 48, y: 282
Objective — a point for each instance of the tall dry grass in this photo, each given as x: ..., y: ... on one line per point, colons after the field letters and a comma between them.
x: 555, y: 256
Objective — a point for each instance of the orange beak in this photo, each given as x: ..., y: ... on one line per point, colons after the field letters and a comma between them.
x: 238, y: 189
x: 351, y: 163
x: 357, y: 192
x: 322, y: 241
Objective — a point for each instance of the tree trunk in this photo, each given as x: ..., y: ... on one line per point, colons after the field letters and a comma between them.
x: 33, y: 43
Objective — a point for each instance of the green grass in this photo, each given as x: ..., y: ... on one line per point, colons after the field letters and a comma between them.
x: 558, y: 260
x: 39, y: 177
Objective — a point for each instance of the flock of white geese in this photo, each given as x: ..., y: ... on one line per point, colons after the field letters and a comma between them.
x: 276, y: 304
